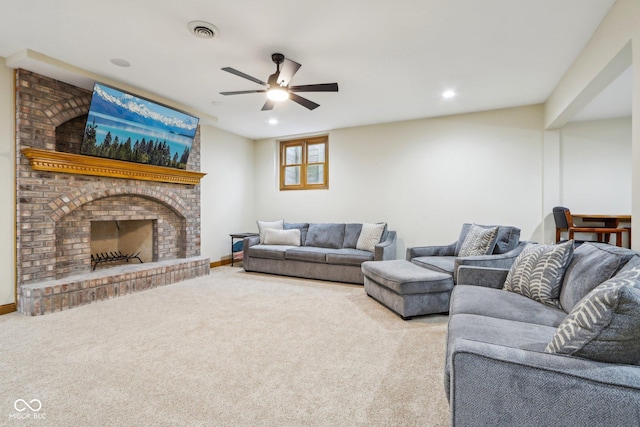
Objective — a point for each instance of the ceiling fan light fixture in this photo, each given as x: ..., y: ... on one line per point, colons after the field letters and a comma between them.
x: 278, y: 94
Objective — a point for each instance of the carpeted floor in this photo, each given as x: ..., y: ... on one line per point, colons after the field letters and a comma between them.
x: 229, y: 349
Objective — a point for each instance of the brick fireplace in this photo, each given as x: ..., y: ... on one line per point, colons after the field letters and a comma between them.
x: 56, y: 209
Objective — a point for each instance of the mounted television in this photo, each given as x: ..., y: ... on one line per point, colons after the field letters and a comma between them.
x: 126, y: 127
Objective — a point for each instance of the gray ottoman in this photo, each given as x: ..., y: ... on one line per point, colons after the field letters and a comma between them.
x: 407, y: 289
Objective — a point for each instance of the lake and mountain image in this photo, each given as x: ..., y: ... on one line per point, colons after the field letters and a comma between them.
x: 125, y: 127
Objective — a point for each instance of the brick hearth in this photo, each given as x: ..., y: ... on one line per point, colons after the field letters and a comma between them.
x: 55, y: 209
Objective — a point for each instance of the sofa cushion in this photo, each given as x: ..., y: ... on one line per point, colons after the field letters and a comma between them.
x: 507, y: 239
x: 443, y: 264
x: 351, y: 234
x: 268, y: 251
x: 526, y: 336
x: 538, y: 271
x: 282, y: 237
x: 370, y: 236
x: 470, y: 299
x: 302, y: 226
x: 349, y: 256
x: 479, y: 241
x: 264, y: 225
x: 308, y: 254
x: 604, y: 325
x: 591, y: 265
x: 325, y: 236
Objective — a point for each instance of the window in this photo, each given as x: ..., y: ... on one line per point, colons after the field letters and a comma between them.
x: 304, y: 164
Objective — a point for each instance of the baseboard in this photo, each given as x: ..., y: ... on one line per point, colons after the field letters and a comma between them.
x: 8, y: 308
x: 222, y: 262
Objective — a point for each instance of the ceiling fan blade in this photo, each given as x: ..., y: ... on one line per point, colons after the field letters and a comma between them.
x: 303, y: 101
x: 288, y: 70
x: 322, y: 87
x: 240, y: 92
x: 268, y: 105
x: 243, y: 75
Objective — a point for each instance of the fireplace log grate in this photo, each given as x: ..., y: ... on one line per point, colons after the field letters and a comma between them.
x: 111, y: 257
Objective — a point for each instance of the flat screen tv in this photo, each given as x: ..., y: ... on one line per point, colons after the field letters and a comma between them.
x: 126, y: 127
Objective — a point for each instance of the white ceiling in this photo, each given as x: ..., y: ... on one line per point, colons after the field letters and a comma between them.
x: 391, y: 59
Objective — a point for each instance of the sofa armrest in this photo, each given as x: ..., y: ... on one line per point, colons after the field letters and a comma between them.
x: 418, y: 251
x: 386, y: 249
x: 497, y: 385
x: 482, y: 276
x: 504, y: 260
x: 247, y: 242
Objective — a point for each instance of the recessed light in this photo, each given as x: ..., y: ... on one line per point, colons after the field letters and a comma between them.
x: 447, y: 94
x: 120, y: 62
x: 273, y: 121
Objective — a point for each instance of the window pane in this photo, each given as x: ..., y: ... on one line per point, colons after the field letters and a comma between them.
x: 315, y: 174
x: 292, y: 175
x: 293, y: 155
x: 315, y: 153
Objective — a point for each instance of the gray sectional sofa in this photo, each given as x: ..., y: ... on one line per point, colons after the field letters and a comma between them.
x: 325, y: 251
x: 502, y: 370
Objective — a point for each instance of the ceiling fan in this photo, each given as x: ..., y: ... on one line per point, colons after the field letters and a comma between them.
x: 277, y: 86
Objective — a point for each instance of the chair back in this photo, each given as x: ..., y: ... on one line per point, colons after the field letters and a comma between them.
x: 562, y: 218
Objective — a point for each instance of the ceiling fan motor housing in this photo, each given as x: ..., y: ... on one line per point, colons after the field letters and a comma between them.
x: 277, y: 58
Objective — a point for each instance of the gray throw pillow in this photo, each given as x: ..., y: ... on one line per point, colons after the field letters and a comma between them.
x: 479, y: 241
x: 605, y: 324
x: 537, y: 272
x: 591, y: 265
x: 351, y: 234
x: 325, y: 236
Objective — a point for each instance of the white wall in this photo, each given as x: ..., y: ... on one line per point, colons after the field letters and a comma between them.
x: 596, y: 166
x: 7, y: 168
x: 613, y: 47
x: 423, y: 177
x: 226, y: 191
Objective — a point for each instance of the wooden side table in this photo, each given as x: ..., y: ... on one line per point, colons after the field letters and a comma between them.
x: 235, y: 236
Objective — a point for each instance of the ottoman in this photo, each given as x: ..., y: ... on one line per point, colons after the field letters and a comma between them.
x: 407, y: 289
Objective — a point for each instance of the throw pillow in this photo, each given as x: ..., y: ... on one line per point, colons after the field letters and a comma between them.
x: 264, y: 225
x: 479, y: 241
x: 282, y: 237
x: 605, y: 324
x: 370, y: 236
x: 538, y: 271
x: 328, y: 236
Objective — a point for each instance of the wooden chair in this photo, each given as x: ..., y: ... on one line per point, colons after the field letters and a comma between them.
x: 564, y: 222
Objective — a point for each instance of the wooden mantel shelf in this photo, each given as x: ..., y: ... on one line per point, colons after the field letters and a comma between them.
x: 55, y: 161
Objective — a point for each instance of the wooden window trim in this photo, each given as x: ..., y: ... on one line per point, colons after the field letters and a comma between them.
x: 304, y: 143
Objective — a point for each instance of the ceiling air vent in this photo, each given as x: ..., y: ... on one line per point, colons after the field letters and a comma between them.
x: 203, y: 30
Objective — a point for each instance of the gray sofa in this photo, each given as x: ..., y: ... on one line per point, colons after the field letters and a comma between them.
x: 445, y: 258
x: 497, y: 370
x: 326, y: 252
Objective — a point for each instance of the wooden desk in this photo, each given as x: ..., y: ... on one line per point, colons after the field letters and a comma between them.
x: 609, y: 221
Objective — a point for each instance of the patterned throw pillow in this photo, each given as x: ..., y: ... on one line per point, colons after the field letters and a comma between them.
x: 605, y: 324
x: 264, y: 225
x: 479, y: 241
x: 370, y: 236
x: 537, y: 272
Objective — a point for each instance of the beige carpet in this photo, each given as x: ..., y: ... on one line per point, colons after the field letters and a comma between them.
x: 230, y: 349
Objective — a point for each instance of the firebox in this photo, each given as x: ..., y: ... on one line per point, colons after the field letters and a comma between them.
x: 119, y: 242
